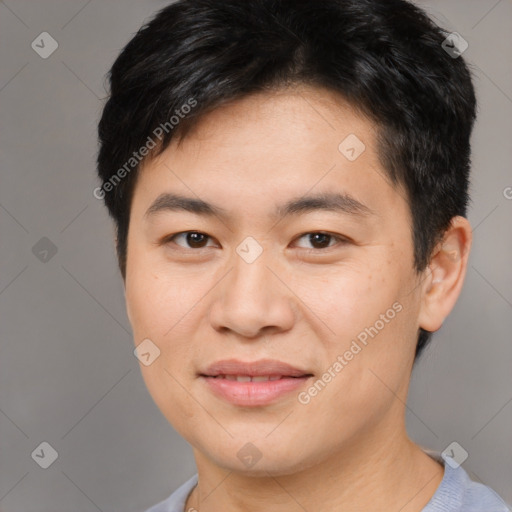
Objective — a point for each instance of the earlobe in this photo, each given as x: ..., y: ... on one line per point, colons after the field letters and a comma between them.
x: 445, y: 275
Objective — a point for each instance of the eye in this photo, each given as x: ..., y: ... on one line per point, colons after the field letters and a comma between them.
x: 197, y: 240
x: 320, y: 240
x: 194, y: 239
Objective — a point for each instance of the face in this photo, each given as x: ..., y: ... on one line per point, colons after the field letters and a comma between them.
x: 266, y: 275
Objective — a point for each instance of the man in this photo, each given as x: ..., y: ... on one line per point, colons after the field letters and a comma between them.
x: 289, y: 185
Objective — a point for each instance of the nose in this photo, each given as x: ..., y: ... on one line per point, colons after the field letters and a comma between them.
x: 253, y: 299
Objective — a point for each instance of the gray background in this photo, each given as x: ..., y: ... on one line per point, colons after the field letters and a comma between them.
x: 68, y: 374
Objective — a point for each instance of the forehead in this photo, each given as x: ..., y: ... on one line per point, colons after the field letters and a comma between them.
x: 307, y: 114
x: 266, y: 148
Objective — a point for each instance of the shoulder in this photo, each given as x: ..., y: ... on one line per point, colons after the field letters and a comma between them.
x: 481, y: 498
x: 176, y: 501
x: 458, y: 493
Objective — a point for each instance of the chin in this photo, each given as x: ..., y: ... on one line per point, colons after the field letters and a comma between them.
x: 259, y: 460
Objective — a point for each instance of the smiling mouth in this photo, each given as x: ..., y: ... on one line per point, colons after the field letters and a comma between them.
x: 255, y: 378
x: 254, y: 390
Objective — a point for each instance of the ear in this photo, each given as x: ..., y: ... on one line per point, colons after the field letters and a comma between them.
x: 445, y: 275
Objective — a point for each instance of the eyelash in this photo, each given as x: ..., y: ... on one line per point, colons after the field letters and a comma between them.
x: 341, y: 240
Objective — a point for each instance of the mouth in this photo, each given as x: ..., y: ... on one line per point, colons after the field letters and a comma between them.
x: 255, y: 378
x: 271, y: 369
x: 254, y: 383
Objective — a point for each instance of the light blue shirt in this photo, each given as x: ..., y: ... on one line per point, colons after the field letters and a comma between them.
x: 456, y: 493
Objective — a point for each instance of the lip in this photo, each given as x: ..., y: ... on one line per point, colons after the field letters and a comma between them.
x: 253, y: 394
x: 253, y: 368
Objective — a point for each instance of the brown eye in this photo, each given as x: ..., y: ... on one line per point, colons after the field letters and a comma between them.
x: 193, y: 239
x: 320, y: 240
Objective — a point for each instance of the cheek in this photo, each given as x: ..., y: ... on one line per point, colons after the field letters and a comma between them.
x: 378, y: 371
x: 370, y: 326
x: 168, y: 308
x: 162, y: 309
x: 158, y: 299
x: 349, y: 299
x: 373, y: 382
x: 173, y: 400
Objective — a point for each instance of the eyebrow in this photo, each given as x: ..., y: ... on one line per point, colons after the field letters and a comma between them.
x: 336, y: 202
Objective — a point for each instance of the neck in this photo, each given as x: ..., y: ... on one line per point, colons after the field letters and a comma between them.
x: 389, y: 472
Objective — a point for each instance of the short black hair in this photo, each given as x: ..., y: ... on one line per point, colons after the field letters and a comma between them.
x: 383, y: 57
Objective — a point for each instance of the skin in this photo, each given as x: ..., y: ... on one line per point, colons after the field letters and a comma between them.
x: 347, y: 449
